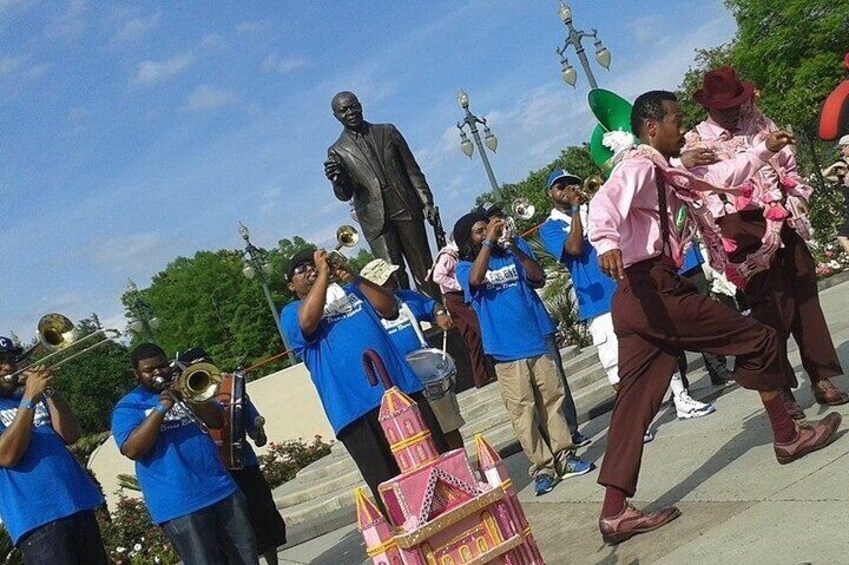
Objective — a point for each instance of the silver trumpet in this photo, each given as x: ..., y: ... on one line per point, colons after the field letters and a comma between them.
x: 521, y: 209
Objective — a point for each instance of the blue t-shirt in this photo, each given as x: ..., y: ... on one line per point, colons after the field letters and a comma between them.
x: 334, y: 356
x: 401, y: 329
x: 692, y: 261
x: 182, y: 472
x: 47, y: 483
x: 593, y: 289
x: 514, y: 322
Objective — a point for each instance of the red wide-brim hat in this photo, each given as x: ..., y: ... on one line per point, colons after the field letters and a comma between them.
x: 722, y: 89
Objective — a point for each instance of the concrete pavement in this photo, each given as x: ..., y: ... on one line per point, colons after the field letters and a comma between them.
x: 738, y: 504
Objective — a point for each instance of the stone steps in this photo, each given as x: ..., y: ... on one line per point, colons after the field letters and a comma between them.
x: 320, y: 499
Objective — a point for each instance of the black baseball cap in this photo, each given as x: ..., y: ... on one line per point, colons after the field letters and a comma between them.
x: 8, y: 347
x: 300, y: 258
x: 194, y: 355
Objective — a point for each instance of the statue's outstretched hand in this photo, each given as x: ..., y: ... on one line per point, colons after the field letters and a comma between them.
x: 333, y: 169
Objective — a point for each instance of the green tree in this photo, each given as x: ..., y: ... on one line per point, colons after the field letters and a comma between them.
x: 94, y: 382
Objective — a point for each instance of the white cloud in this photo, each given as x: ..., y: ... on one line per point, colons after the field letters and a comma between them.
x: 645, y: 27
x: 151, y: 72
x: 121, y: 252
x: 136, y: 28
x: 213, y: 42
x: 246, y: 28
x: 283, y: 65
x: 206, y: 97
x: 11, y: 63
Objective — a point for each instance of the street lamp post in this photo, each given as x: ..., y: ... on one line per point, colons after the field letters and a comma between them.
x: 256, y: 264
x: 143, y: 319
x: 489, y: 140
x: 602, y: 55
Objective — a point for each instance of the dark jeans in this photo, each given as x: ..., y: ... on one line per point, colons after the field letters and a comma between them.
x: 215, y: 533
x: 72, y: 540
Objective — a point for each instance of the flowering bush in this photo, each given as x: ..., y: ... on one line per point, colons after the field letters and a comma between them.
x: 132, y: 539
x: 829, y: 258
x: 283, y: 460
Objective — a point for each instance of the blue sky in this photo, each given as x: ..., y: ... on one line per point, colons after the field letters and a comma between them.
x: 135, y: 132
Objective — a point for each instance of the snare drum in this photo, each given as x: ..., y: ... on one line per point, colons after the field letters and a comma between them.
x: 230, y: 439
x: 435, y: 369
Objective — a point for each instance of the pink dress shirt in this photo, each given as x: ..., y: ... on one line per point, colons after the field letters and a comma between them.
x: 444, y: 268
x: 624, y: 212
x: 771, y: 184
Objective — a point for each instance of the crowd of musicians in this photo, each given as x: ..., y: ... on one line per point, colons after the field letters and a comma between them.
x: 639, y: 279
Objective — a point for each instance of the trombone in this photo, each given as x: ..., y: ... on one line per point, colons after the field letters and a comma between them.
x: 197, y: 382
x: 56, y: 333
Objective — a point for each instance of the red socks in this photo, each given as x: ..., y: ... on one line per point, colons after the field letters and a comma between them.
x: 614, y: 502
x: 783, y: 427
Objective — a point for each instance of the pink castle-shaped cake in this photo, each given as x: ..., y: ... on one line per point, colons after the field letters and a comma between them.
x: 441, y: 510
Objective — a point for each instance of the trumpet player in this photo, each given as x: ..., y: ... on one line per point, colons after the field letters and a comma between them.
x: 329, y: 327
x: 47, y: 501
x: 499, y: 283
x: 838, y: 172
x: 187, y: 490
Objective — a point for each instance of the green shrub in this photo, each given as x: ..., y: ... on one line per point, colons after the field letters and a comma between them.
x: 132, y: 539
x: 284, y: 460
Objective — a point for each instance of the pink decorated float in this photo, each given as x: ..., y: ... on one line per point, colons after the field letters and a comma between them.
x: 441, y: 509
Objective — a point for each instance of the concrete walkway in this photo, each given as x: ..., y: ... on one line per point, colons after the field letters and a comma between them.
x: 738, y: 504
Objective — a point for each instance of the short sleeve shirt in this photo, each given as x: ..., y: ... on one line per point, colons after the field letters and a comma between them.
x: 593, y: 289
x: 182, y: 472
x: 513, y: 319
x: 334, y: 356
x: 47, y: 483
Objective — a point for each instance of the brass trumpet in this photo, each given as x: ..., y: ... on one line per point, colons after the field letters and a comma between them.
x: 56, y: 333
x: 590, y: 186
x: 346, y: 236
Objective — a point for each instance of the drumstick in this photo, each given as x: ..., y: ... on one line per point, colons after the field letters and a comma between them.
x: 444, y: 345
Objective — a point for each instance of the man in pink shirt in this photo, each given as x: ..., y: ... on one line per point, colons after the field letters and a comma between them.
x: 640, y: 232
x: 764, y: 231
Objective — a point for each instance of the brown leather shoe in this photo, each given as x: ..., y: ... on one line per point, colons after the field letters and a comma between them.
x: 826, y: 393
x: 791, y: 405
x: 810, y: 437
x: 631, y: 522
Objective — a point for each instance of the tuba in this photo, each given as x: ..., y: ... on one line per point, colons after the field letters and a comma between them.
x: 346, y: 236
x: 613, y: 114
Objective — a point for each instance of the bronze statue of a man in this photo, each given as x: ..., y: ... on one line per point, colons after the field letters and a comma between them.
x: 373, y: 164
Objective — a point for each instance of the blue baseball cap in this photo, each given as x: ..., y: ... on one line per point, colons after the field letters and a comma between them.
x: 7, y: 346
x: 558, y: 174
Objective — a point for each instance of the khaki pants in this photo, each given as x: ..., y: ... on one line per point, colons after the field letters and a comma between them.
x: 533, y: 386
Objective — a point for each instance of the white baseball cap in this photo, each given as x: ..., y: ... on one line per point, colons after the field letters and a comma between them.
x: 843, y: 140
x: 378, y: 271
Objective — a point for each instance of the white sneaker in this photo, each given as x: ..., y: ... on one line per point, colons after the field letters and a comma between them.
x: 688, y: 408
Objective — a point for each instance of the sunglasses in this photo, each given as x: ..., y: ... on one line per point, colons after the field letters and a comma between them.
x: 302, y: 268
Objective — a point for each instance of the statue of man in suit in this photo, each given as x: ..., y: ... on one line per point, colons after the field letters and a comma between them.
x: 373, y: 164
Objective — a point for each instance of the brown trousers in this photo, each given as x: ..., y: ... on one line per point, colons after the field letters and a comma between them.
x: 656, y: 314
x: 467, y: 324
x: 785, y: 296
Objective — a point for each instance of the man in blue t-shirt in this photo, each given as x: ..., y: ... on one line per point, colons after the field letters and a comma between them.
x: 408, y: 337
x: 186, y: 489
x: 47, y: 501
x: 563, y: 236
x: 499, y: 283
x: 329, y: 327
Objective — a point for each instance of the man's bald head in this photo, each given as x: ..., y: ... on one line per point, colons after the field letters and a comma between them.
x: 348, y: 110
